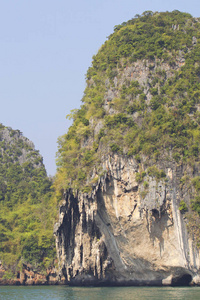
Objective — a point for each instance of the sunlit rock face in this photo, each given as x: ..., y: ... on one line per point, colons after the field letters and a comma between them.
x: 135, y: 143
x: 126, y: 233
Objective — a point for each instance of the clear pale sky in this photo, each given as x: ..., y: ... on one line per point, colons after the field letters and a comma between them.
x: 46, y: 48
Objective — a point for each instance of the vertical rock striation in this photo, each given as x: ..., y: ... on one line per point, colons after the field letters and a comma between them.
x: 135, y: 142
x: 120, y: 235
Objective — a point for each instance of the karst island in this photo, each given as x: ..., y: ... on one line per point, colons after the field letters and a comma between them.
x: 124, y: 205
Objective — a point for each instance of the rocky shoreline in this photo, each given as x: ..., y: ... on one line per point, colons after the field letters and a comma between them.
x: 88, y: 283
x: 28, y: 276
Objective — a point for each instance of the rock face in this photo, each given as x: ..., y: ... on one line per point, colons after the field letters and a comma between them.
x: 19, y: 148
x: 135, y: 143
x: 126, y: 233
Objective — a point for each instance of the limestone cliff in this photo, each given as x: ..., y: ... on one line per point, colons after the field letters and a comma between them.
x: 129, y: 165
x: 115, y: 236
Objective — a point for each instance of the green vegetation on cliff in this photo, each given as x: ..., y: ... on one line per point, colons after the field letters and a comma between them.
x: 26, y: 204
x: 142, y: 100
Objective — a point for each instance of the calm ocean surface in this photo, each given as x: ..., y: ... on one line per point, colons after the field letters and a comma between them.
x: 83, y: 293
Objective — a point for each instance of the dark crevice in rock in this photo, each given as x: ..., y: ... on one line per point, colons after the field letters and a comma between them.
x: 81, y: 254
x: 84, y: 223
x: 155, y: 213
x: 183, y: 280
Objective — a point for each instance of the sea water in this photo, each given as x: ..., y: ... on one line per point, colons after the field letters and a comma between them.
x: 97, y: 293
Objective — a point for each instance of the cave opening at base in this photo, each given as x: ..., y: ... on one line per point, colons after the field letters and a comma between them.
x: 183, y: 280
